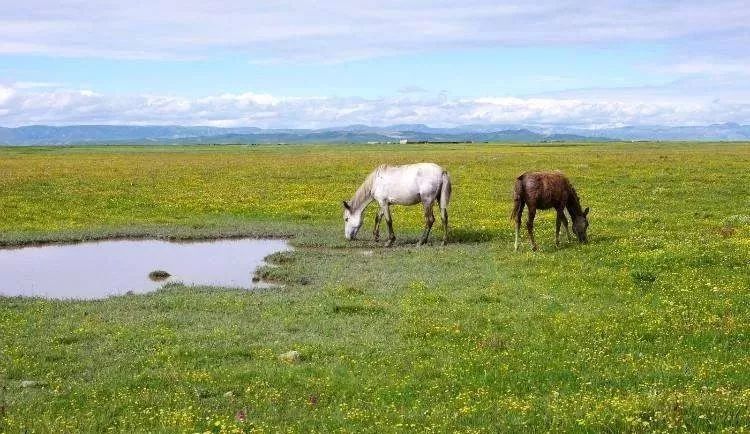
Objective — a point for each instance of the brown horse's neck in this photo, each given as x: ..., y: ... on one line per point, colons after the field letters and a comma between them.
x: 574, y: 204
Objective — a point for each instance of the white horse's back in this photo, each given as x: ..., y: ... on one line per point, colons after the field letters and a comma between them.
x: 408, y: 184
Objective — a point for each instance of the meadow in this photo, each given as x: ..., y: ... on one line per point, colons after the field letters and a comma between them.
x: 644, y: 329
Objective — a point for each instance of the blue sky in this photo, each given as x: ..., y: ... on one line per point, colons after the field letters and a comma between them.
x: 315, y: 64
x: 470, y: 72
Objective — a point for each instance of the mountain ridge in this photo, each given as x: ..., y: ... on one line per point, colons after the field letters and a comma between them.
x: 357, y: 133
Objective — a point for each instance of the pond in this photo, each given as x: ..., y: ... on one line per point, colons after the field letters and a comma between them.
x: 100, y: 269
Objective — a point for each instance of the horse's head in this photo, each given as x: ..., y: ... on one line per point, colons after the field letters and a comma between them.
x: 581, y: 225
x: 352, y: 221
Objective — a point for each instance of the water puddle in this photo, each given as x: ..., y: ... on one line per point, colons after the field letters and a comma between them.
x: 101, y: 269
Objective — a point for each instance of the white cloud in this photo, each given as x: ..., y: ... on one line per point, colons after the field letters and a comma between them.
x: 36, y: 84
x: 728, y: 89
x: 340, y: 30
x: 412, y: 89
x: 6, y: 93
x: 707, y: 67
x: 19, y: 106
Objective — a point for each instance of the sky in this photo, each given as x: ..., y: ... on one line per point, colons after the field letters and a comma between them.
x: 312, y: 64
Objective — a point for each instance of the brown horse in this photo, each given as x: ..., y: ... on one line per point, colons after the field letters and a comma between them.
x: 545, y: 190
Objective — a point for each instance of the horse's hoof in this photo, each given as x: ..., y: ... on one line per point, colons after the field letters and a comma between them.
x: 390, y: 243
x: 444, y: 243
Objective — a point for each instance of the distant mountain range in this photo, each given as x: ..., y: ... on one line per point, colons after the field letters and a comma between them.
x: 114, y: 134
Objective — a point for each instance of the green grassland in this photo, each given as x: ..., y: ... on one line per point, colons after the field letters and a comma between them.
x: 644, y: 329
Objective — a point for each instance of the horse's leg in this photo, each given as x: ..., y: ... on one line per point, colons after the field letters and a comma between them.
x: 565, y: 223
x: 444, y: 218
x: 558, y: 222
x: 389, y: 222
x: 429, y: 219
x: 530, y: 228
x: 376, y: 231
x: 518, y: 223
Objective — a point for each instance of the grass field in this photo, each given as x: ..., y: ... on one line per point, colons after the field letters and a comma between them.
x: 646, y: 328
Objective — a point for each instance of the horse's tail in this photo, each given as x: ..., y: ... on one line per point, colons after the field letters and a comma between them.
x: 518, y: 199
x: 444, y: 196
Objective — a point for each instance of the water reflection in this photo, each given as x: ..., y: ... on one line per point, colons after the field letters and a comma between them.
x: 100, y: 269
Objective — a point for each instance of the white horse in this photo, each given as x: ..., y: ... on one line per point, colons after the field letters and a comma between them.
x: 424, y: 183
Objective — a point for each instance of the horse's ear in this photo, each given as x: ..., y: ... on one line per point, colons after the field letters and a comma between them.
x: 346, y: 205
x: 586, y: 212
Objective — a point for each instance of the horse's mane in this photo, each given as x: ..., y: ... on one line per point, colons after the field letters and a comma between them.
x: 364, y: 192
x: 574, y: 202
